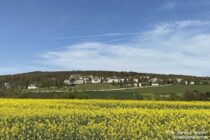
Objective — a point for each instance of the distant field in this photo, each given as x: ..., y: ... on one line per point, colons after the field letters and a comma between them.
x: 95, y: 86
x: 80, y: 87
x: 102, y: 119
x: 170, y: 89
x: 158, y: 89
x: 132, y: 93
x: 129, y: 93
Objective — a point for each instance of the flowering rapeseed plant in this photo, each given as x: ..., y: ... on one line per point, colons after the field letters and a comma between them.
x: 100, y: 119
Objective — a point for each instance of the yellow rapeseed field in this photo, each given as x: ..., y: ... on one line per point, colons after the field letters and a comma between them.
x: 102, y: 119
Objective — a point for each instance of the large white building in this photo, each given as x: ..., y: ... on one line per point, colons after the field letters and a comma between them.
x: 96, y: 80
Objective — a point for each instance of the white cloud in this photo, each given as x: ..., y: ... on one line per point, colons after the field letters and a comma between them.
x: 180, y: 47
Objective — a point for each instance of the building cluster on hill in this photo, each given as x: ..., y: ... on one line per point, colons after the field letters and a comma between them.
x: 128, y: 81
x: 122, y: 80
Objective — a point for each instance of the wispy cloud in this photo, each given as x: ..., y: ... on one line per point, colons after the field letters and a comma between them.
x: 168, y: 5
x: 180, y: 47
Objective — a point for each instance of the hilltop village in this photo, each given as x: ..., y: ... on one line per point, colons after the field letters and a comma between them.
x: 140, y: 81
x: 129, y: 82
x: 104, y: 85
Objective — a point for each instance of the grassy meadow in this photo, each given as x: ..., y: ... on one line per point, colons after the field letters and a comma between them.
x: 146, y: 92
x: 108, y: 91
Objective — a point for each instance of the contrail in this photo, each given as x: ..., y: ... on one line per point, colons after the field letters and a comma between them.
x: 106, y: 41
x: 115, y: 40
x: 97, y: 35
x: 130, y: 35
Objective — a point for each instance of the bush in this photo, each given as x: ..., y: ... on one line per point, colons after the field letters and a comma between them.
x: 188, y: 95
x: 196, y: 95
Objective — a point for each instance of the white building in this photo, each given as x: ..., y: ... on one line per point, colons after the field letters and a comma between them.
x: 79, y: 81
x: 155, y: 84
x: 122, y: 80
x: 32, y: 86
x: 179, y: 80
x: 135, y: 80
x: 67, y: 82
x: 144, y: 77
x: 192, y: 83
x: 170, y: 80
x: 186, y: 82
x: 87, y: 80
x: 113, y: 80
x: 154, y: 80
x: 96, y: 80
x: 6, y: 85
x: 75, y: 76
x: 137, y: 85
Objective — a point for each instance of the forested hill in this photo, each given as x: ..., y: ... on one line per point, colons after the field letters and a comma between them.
x: 56, y: 78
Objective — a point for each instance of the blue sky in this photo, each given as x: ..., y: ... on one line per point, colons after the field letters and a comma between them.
x: 159, y: 36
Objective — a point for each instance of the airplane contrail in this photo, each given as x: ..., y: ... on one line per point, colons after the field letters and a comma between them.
x: 96, y: 35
